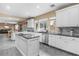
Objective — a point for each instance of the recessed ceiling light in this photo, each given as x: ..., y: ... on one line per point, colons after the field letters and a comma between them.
x: 37, y: 6
x: 8, y: 7
x: 6, y: 27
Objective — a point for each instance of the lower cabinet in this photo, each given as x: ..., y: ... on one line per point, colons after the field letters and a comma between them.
x: 52, y: 41
x: 40, y: 39
x: 70, y: 44
x: 73, y: 45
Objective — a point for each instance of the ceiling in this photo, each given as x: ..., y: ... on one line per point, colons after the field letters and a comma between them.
x: 25, y: 10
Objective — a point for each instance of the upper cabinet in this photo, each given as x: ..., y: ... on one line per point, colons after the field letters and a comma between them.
x: 68, y: 17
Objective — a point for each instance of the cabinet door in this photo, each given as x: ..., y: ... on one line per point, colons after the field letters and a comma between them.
x: 70, y: 44
x: 60, y: 42
x: 61, y: 18
x: 68, y: 16
x: 73, y: 15
x: 76, y: 42
x: 55, y: 40
x: 52, y: 41
x: 73, y: 45
x: 33, y: 47
x: 40, y: 38
x: 65, y: 42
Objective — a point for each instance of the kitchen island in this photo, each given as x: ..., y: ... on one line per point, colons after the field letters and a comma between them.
x: 27, y: 44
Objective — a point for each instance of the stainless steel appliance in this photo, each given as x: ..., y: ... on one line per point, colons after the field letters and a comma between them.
x: 45, y: 36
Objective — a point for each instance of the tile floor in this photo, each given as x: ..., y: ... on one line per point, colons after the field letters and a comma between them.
x: 7, y: 48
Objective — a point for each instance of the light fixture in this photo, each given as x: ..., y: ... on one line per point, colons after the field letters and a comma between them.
x: 7, y: 27
x: 37, y: 6
x: 8, y: 7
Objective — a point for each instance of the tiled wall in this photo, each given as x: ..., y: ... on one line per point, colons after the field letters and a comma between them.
x: 66, y: 30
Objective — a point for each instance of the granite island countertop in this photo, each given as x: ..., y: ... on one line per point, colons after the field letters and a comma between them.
x: 28, y: 36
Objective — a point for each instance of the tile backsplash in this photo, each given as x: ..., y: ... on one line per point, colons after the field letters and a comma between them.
x: 67, y: 30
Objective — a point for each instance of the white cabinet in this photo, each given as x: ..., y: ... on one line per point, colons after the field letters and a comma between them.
x: 68, y: 16
x: 61, y: 17
x: 40, y: 38
x: 73, y: 45
x: 52, y: 41
x: 28, y: 47
x: 70, y: 44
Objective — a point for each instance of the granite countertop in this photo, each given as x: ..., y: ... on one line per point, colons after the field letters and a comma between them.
x: 63, y: 35
x: 59, y: 34
x: 28, y: 36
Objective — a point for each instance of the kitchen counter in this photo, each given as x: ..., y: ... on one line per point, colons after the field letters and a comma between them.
x: 63, y: 35
x: 28, y: 36
x: 67, y: 43
x: 28, y: 43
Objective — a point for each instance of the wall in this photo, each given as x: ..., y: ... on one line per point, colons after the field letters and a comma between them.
x: 54, y: 29
x: 47, y: 16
